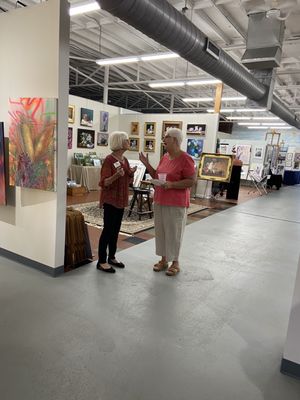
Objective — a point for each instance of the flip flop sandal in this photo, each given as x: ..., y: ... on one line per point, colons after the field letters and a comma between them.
x: 172, y: 271
x: 160, y: 266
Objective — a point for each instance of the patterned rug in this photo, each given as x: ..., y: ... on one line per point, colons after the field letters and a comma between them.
x: 93, y: 215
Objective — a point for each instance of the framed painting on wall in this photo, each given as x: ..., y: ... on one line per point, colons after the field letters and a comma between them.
x: 224, y: 148
x: 194, y: 147
x: 86, y: 117
x: 149, y: 145
x: 32, y: 143
x: 134, y: 144
x: 196, y: 129
x: 71, y: 114
x: 170, y: 124
x: 70, y: 138
x: 2, y: 166
x: 85, y: 139
x: 258, y: 152
x: 135, y: 127
x: 297, y: 157
x: 104, y: 116
x: 102, y: 139
x: 150, y: 128
x: 243, y: 153
x: 215, y: 167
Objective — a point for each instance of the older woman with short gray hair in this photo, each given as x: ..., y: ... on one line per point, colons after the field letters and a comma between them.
x: 175, y: 175
x: 116, y: 175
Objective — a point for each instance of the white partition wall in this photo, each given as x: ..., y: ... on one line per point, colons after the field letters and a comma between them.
x: 34, y: 44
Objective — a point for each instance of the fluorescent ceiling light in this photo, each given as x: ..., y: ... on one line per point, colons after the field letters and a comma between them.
x: 203, y: 82
x: 240, y: 98
x: 117, y: 60
x: 251, y: 109
x: 249, y: 123
x: 270, y: 127
x: 275, y: 123
x: 166, y: 84
x: 196, y: 99
x: 239, y: 118
x: 265, y: 118
x: 223, y: 110
x: 159, y: 56
x: 129, y: 59
x: 84, y: 8
x: 175, y: 83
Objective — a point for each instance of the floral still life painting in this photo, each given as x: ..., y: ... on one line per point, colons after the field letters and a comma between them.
x: 194, y: 147
x: 32, y: 141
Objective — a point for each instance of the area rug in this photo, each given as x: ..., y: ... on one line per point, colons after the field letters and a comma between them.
x: 93, y: 215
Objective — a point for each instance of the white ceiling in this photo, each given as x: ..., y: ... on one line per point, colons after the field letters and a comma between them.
x: 100, y: 35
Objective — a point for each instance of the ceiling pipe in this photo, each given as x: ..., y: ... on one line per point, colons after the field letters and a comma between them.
x: 159, y: 20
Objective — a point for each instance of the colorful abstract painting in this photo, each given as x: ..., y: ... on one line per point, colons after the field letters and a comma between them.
x: 194, y: 147
x: 2, y: 166
x: 32, y: 141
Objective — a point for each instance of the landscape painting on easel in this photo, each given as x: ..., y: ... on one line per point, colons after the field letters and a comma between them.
x: 32, y: 141
x: 2, y: 167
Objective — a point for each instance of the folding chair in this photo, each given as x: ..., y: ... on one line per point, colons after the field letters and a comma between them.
x: 258, y: 182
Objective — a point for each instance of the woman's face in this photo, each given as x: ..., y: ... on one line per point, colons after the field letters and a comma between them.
x: 126, y: 144
x: 169, y: 142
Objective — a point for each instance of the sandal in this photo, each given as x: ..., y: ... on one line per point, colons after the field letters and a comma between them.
x: 160, y: 266
x: 172, y: 270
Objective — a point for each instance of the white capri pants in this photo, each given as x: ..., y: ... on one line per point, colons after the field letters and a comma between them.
x: 169, y: 225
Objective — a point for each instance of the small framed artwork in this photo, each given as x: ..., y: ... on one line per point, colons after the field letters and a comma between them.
x: 149, y: 145
x: 194, y: 147
x: 135, y: 127
x: 70, y: 138
x: 224, y: 148
x: 150, y: 128
x: 196, y: 129
x: 134, y: 144
x: 215, y: 167
x: 289, y: 160
x: 85, y: 139
x: 102, y: 139
x: 86, y: 117
x: 170, y: 124
x: 297, y: 157
x: 104, y: 116
x: 258, y: 152
x: 71, y: 114
x: 243, y: 153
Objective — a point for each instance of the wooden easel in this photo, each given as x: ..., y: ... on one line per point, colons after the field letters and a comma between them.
x: 274, y: 135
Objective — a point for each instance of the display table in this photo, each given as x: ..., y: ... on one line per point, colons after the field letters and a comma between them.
x: 88, y: 177
x: 291, y: 177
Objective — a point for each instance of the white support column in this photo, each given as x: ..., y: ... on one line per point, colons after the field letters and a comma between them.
x: 105, y: 89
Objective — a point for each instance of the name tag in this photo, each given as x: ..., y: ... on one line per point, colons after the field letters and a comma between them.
x: 117, y: 164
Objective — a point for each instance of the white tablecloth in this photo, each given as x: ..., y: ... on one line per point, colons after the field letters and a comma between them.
x: 88, y: 177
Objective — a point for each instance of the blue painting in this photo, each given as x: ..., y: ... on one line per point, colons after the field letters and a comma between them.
x: 194, y: 147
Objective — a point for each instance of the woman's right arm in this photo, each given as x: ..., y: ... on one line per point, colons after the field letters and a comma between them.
x: 145, y: 160
x: 107, y: 176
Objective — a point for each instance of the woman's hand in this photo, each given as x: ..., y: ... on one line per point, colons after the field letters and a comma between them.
x: 168, y: 185
x: 132, y: 170
x: 144, y: 158
x: 120, y: 171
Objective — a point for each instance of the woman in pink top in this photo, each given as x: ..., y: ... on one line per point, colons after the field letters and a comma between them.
x: 171, y: 200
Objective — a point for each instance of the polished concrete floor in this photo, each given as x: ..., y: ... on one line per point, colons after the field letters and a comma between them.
x: 214, y: 332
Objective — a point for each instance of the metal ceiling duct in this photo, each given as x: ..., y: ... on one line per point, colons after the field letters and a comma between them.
x: 159, y: 20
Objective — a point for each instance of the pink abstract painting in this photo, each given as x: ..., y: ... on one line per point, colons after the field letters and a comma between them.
x: 32, y: 140
x: 2, y: 166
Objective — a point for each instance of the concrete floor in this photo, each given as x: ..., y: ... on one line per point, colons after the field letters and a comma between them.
x: 214, y: 332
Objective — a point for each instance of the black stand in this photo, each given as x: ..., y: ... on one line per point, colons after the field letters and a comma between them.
x: 234, y: 184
